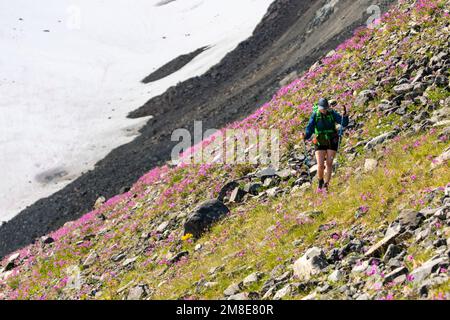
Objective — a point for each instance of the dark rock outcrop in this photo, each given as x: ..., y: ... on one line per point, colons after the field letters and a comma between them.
x: 204, y: 216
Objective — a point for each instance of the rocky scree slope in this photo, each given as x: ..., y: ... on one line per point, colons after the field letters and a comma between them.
x: 249, y: 232
x: 292, y: 35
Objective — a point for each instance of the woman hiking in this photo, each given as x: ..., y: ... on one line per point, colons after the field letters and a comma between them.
x: 323, y: 125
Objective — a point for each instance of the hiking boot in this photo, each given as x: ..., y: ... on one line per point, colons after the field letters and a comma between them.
x: 321, y: 184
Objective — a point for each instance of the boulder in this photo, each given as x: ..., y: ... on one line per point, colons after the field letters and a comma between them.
x: 392, y: 252
x: 336, y: 276
x: 361, y: 267
x: 90, y: 260
x: 266, y: 173
x: 282, y: 293
x: 137, y: 293
x: 47, y: 240
x: 370, y: 165
x: 273, y: 192
x: 99, y: 202
x: 230, y: 186
x: 14, y: 257
x: 252, y: 188
x: 421, y: 273
x: 237, y: 195
x: 162, y: 227
x: 380, y: 246
x: 251, y: 279
x: 364, y: 97
x: 204, y: 216
x: 378, y: 140
x: 243, y: 296
x: 310, y: 264
x: 395, y: 274
x: 313, y: 169
x: 410, y: 219
x: 403, y: 88
x: 232, y: 290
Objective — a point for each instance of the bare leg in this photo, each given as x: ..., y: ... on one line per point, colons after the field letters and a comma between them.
x: 320, y: 156
x: 331, y: 154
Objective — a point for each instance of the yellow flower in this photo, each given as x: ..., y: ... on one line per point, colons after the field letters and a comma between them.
x: 186, y: 237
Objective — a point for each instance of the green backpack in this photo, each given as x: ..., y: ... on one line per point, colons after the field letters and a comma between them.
x: 324, y: 136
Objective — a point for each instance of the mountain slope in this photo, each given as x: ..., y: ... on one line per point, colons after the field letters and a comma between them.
x: 392, y: 185
x: 292, y: 35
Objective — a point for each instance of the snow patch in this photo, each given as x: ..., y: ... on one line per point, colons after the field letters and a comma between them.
x: 66, y: 92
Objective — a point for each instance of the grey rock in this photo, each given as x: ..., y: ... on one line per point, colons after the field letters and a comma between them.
x: 204, y: 216
x: 391, y: 252
x: 395, y: 274
x: 378, y: 140
x: 47, y: 240
x: 269, y: 293
x: 162, y: 227
x: 237, y: 195
x: 394, y: 263
x: 382, y: 245
x: 129, y: 262
x: 282, y: 293
x: 118, y: 257
x: 90, y: 260
x: 233, y: 290
x: 421, y: 273
x: 252, y: 188
x: 243, y: 296
x: 253, y: 278
x: 410, y: 219
x: 363, y: 297
x: 230, y: 186
x: 364, y: 97
x: 359, y: 268
x: 370, y: 165
x: 403, y: 88
x: 336, y: 276
x: 215, y: 270
x: 273, y: 192
x: 310, y: 264
x: 284, y: 174
x: 443, y: 158
x: 266, y: 173
x: 14, y: 257
x: 137, y: 293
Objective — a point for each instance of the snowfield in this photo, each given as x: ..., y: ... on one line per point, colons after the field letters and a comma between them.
x: 70, y: 72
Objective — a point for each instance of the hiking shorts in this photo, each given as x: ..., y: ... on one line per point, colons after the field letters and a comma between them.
x: 332, y: 146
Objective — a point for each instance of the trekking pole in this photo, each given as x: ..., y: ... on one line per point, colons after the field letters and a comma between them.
x: 307, y: 161
x: 341, y: 133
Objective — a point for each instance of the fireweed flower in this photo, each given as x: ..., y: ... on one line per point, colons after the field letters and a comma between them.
x: 373, y: 270
x: 389, y: 297
x: 377, y: 286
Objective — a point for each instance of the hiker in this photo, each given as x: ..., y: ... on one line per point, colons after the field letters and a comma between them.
x: 323, y: 125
